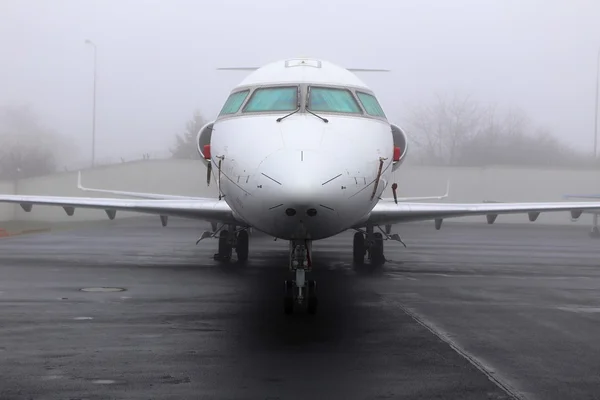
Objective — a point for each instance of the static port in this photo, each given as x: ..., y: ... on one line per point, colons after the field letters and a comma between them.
x: 311, y: 212
x: 290, y: 212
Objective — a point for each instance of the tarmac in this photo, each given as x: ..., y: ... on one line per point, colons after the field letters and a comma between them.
x: 132, y: 310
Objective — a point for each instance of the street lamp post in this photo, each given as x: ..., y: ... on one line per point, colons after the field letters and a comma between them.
x: 596, y: 109
x: 93, y: 107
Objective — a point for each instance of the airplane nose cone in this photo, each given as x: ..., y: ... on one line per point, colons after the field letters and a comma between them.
x: 303, y: 190
x: 301, y: 179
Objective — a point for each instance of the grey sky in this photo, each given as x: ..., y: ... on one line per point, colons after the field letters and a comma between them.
x: 156, y: 59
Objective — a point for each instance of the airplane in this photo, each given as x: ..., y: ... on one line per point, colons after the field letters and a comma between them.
x: 595, y: 232
x: 301, y: 150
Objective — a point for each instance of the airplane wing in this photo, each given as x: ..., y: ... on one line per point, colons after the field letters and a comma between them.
x: 206, y: 209
x: 582, y: 196
x: 387, y: 212
x: 443, y: 196
x: 155, y: 196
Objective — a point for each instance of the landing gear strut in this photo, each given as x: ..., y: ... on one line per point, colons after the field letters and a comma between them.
x: 300, y: 291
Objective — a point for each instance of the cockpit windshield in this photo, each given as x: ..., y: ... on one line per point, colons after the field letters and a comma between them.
x: 332, y: 100
x: 273, y: 99
x: 370, y: 104
x: 234, y: 102
x: 319, y: 99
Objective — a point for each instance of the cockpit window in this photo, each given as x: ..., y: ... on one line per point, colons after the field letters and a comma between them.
x: 370, y: 104
x: 273, y: 99
x: 332, y: 100
x: 234, y: 102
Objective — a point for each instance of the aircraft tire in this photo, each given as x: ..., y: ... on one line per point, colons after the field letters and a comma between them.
x: 242, y: 246
x: 312, y: 301
x: 377, y: 255
x: 225, y: 249
x: 288, y: 298
x: 358, y: 248
x: 288, y: 305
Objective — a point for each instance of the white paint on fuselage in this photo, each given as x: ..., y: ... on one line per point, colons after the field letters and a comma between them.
x: 302, y: 163
x: 312, y: 71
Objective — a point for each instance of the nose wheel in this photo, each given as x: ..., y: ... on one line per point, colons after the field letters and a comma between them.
x: 300, y: 292
x: 295, y: 296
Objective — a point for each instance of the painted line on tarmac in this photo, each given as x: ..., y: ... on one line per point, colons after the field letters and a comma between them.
x: 491, y: 375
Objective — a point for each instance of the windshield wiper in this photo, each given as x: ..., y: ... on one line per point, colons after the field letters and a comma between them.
x: 285, y: 116
x: 297, y: 106
x: 318, y: 116
x: 310, y: 112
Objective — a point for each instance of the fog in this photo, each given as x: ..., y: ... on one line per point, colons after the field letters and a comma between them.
x: 157, y: 59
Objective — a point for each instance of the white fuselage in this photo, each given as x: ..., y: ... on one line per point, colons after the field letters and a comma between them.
x: 301, y: 177
x: 302, y: 163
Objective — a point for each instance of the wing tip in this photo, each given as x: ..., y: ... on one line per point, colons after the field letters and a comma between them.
x: 79, y: 184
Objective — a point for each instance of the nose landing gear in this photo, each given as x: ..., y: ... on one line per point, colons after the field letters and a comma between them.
x: 300, y: 291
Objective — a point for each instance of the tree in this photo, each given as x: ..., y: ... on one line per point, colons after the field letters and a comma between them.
x: 185, y: 146
x: 27, y: 148
x: 444, y: 127
x: 459, y: 132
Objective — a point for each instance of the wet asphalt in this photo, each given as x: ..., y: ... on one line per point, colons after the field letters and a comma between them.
x: 469, y: 312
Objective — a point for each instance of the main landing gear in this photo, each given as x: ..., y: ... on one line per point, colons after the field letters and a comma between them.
x: 595, y: 232
x: 370, y: 244
x: 228, y: 240
x: 300, y: 292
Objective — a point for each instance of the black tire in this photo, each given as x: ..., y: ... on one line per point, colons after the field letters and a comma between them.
x: 358, y: 248
x: 288, y: 298
x: 312, y: 304
x: 288, y: 305
x: 377, y: 256
x: 311, y: 297
x: 224, y: 247
x: 242, y: 246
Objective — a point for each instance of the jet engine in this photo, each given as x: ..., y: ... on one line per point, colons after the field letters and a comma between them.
x: 203, y: 142
x: 400, y: 146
